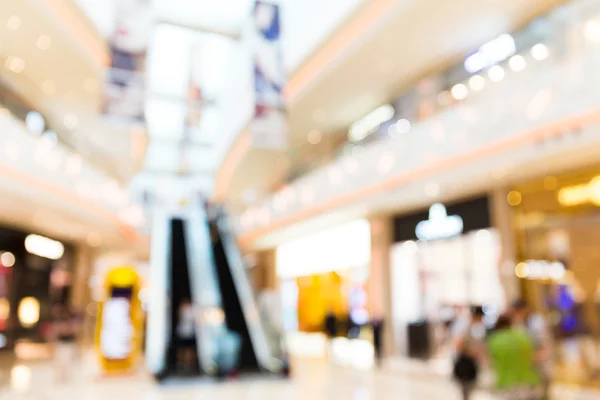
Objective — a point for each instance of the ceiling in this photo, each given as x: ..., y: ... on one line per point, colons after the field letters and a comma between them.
x: 63, y: 62
x: 381, y: 50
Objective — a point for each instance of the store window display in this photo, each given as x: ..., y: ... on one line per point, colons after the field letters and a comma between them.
x: 559, y: 225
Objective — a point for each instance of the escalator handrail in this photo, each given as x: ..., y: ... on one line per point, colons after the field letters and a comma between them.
x: 256, y: 329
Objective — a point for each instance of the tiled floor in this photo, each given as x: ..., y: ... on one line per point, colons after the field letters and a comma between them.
x: 312, y: 381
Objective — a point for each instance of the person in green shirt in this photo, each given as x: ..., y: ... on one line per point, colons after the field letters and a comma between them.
x: 513, y: 357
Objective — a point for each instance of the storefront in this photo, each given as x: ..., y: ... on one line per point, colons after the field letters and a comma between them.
x: 35, y: 278
x: 558, y: 238
x: 325, y: 273
x: 443, y: 261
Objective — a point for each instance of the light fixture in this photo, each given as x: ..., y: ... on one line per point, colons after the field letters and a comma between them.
x: 440, y: 225
x: 514, y: 198
x: 496, y: 73
x: 403, y: 126
x: 44, y: 42
x: 540, y: 51
x: 35, y: 122
x: 459, y: 91
x: 517, y: 63
x: 14, y: 64
x: 492, y: 52
x: 314, y: 137
x: 521, y: 270
x: 29, y: 312
x: 44, y: 247
x: 13, y: 23
x: 592, y: 30
x: 4, y: 309
x: 368, y: 124
x: 48, y: 86
x: 7, y: 259
x: 477, y: 82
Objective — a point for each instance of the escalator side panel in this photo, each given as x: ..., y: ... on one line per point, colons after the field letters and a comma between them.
x: 245, y: 294
x: 232, y: 306
x: 157, y: 331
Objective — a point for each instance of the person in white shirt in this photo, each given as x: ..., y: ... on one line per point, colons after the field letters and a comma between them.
x: 185, y: 336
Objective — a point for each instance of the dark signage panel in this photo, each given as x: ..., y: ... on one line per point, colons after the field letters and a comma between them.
x: 475, y: 215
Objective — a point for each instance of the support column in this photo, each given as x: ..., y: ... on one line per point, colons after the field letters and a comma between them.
x: 80, y: 290
x: 504, y: 221
x: 380, y: 299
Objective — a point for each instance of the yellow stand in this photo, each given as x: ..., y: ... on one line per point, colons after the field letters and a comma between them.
x: 119, y: 327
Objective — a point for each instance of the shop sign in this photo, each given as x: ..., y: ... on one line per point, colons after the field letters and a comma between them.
x: 576, y: 195
x: 440, y: 225
x: 540, y: 270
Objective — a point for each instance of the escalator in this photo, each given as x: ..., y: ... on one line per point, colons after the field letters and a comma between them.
x: 232, y: 304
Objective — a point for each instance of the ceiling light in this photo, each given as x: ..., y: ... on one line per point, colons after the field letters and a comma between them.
x: 517, y: 63
x: 496, y: 73
x: 314, y: 137
x: 477, y: 82
x: 514, y: 198
x: 14, y: 64
x: 540, y: 51
x: 459, y: 91
x: 403, y: 126
x: 13, y: 23
x: 367, y: 125
x: 35, y: 122
x: 48, y: 86
x: 592, y: 31
x: 491, y: 53
x: 70, y: 120
x: 7, y: 259
x: 44, y: 42
x: 44, y: 247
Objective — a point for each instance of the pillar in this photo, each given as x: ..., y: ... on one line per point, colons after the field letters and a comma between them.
x: 379, y: 290
x: 503, y: 220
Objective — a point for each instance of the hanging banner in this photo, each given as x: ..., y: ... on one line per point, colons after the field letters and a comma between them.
x: 125, y: 85
x: 269, y: 126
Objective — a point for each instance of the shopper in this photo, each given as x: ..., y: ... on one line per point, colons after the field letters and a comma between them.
x: 185, y: 336
x: 471, y: 353
x: 65, y: 335
x: 513, y: 357
x: 534, y: 324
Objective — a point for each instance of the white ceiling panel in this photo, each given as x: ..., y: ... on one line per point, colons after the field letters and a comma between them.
x: 223, y: 15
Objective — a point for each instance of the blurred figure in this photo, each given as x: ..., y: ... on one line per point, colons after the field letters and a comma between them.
x: 185, y: 336
x: 471, y: 353
x: 534, y: 324
x: 513, y: 358
x: 64, y: 334
x: 331, y: 328
x: 377, y: 325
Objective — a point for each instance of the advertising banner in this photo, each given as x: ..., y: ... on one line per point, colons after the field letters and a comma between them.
x: 125, y: 78
x: 269, y: 127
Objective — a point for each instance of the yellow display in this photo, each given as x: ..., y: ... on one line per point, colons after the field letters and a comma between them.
x: 119, y: 327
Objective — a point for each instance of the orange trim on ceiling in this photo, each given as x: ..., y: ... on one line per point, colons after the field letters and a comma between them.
x: 236, y: 153
x: 543, y: 132
x: 336, y: 46
x: 79, y: 31
x: 65, y: 195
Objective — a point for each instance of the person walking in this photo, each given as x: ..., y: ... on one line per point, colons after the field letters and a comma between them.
x: 513, y: 358
x: 471, y: 353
